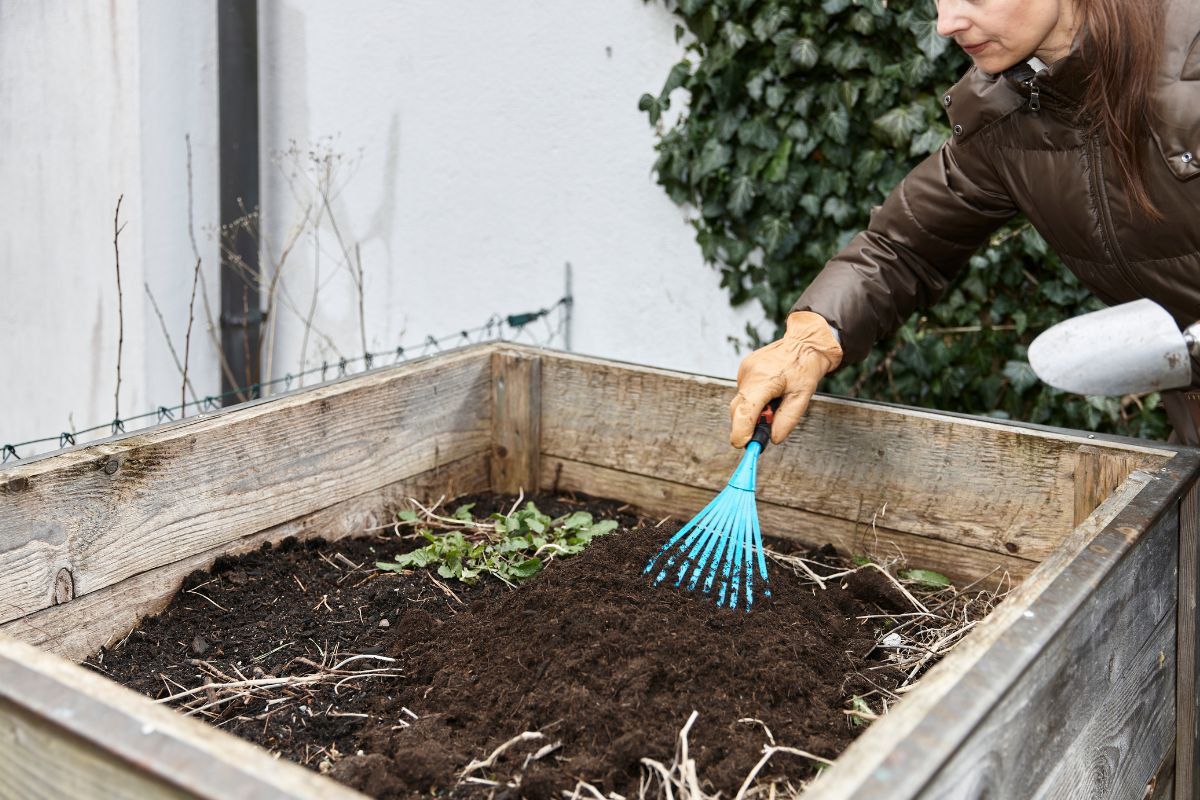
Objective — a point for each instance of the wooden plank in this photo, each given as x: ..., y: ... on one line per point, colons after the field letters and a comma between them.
x: 66, y: 732
x: 516, y: 421
x: 1163, y: 787
x: 1098, y: 472
x: 1118, y: 750
x: 107, y: 512
x: 657, y: 497
x: 76, y: 630
x: 1055, y: 613
x: 1187, y: 762
x: 972, y: 482
x: 41, y: 761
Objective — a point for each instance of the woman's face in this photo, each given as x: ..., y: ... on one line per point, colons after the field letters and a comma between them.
x: 997, y: 34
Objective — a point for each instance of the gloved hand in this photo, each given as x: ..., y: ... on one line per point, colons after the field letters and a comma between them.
x: 789, y: 368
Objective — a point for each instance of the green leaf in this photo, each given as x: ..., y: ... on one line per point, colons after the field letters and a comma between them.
x: 603, y: 527
x: 527, y: 568
x: 804, y: 53
x: 677, y: 77
x: 713, y: 156
x: 777, y: 169
x: 925, y: 577
x: 759, y: 132
x: 407, y: 515
x: 463, y: 512
x: 928, y: 40
x: 735, y: 34
x: 1020, y: 375
x: 741, y: 196
x: 649, y: 103
x: 835, y: 124
x: 899, y: 124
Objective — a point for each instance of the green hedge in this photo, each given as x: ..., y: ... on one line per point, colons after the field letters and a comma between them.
x: 802, y: 116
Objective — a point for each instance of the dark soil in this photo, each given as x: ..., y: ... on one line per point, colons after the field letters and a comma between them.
x: 586, y: 653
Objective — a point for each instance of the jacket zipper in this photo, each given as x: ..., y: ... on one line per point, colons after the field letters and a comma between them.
x: 1035, y: 98
x: 1096, y: 174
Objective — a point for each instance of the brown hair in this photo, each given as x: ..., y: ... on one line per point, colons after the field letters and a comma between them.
x: 1121, y: 46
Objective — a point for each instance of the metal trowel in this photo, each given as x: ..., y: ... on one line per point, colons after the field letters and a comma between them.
x: 1130, y: 348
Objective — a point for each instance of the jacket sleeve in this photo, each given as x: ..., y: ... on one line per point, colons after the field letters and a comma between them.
x: 926, y: 230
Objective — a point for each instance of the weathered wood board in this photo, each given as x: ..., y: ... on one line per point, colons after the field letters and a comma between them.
x: 67, y: 732
x: 985, y: 485
x: 77, y: 629
x: 145, y: 500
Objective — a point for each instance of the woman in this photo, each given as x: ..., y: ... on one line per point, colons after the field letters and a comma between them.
x: 1084, y: 115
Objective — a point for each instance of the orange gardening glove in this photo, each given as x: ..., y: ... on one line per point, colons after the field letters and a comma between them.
x: 789, y: 368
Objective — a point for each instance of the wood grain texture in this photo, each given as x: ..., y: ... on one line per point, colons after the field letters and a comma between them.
x: 1164, y: 779
x: 657, y: 497
x: 1187, y: 760
x: 67, y: 732
x: 110, y: 511
x: 900, y: 754
x: 1118, y: 750
x: 516, y: 421
x: 1071, y: 677
x: 78, y: 629
x: 972, y: 482
x: 42, y: 761
x: 1098, y: 471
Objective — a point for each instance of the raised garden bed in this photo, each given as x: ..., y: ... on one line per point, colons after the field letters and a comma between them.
x: 1080, y: 684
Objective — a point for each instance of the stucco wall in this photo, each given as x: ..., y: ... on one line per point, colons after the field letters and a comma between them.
x: 483, y: 147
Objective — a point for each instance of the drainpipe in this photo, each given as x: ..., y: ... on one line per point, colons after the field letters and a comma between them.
x: 241, y: 304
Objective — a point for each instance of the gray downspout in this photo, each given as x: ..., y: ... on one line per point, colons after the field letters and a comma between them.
x: 241, y: 303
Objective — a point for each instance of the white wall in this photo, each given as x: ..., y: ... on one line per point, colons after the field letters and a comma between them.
x: 96, y: 101
x: 494, y: 142
x: 485, y: 145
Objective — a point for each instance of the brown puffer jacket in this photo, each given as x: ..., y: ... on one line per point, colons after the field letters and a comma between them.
x: 1017, y: 148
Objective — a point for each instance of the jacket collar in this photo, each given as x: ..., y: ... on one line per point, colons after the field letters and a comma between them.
x: 981, y: 98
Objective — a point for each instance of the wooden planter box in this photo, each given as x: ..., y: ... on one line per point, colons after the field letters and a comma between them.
x: 1081, y: 684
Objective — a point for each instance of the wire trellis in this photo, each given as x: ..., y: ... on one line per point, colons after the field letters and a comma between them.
x: 502, y: 328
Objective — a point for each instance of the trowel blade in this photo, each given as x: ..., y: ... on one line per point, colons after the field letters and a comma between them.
x: 1126, y: 349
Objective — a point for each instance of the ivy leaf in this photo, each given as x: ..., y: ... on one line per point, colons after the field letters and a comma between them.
x: 899, y: 124
x: 927, y: 141
x: 777, y: 169
x: 928, y: 40
x: 760, y: 133
x: 649, y: 103
x: 804, y: 53
x: 1020, y: 375
x: 741, y: 195
x: 862, y: 21
x: 736, y: 35
x: 713, y: 156
x: 836, y: 124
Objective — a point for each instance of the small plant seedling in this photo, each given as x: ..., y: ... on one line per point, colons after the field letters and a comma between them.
x: 516, y: 549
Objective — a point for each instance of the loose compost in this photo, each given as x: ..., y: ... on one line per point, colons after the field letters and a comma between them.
x: 413, y: 679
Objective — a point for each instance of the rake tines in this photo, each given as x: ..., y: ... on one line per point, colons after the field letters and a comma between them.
x: 722, y: 543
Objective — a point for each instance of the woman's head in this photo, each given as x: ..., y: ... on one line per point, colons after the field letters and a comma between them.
x: 1000, y: 33
x: 1119, y: 43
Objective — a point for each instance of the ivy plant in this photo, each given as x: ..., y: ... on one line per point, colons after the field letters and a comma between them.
x: 801, y: 116
x: 513, y: 547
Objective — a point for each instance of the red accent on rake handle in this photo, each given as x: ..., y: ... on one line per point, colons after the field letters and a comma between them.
x: 762, y: 431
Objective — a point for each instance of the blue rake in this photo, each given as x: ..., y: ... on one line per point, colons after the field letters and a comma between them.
x: 723, y: 543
